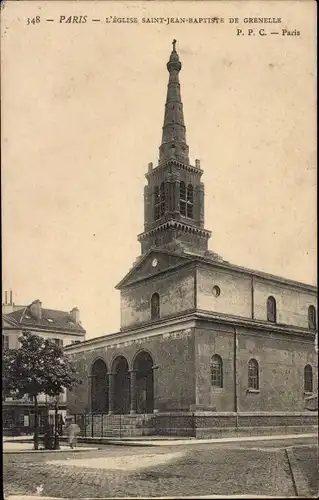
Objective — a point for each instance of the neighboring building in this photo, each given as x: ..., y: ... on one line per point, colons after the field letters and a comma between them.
x: 63, y: 327
x: 208, y: 346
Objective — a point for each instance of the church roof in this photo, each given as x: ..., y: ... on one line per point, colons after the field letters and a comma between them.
x: 142, y: 268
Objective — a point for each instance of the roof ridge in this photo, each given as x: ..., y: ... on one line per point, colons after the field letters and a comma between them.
x: 55, y: 310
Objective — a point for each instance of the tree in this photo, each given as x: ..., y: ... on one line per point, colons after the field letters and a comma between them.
x: 39, y: 366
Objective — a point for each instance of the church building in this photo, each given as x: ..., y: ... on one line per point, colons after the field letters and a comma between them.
x: 205, y: 347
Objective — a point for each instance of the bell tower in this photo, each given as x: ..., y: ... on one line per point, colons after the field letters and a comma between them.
x: 174, y: 194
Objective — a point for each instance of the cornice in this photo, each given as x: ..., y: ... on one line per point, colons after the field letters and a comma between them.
x: 237, y: 321
x: 163, y: 272
x: 173, y: 224
x: 257, y: 274
x: 172, y: 162
x: 156, y: 328
x: 184, y: 321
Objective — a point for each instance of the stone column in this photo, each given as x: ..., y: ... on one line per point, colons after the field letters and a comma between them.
x: 90, y: 392
x: 155, y: 387
x: 147, y: 207
x: 201, y: 204
x: 111, y: 393
x: 177, y: 196
x: 133, y: 392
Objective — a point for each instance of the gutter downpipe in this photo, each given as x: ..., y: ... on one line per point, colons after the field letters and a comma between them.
x: 236, y: 377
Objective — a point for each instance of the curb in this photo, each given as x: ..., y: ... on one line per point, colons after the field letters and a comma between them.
x: 34, y: 497
x: 171, y: 442
x: 179, y: 442
x: 66, y: 450
x: 299, y: 482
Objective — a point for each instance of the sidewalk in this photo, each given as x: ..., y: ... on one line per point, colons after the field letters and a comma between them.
x: 10, y: 445
x: 10, y: 439
x: 152, y: 441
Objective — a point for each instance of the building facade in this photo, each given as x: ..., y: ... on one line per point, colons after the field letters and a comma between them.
x: 62, y: 327
x: 205, y: 347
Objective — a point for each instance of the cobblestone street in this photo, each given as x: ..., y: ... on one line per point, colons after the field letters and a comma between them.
x: 116, y: 471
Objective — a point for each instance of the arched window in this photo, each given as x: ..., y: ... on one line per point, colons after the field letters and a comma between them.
x: 156, y: 203
x: 253, y: 374
x: 217, y: 371
x: 271, y: 310
x: 312, y: 323
x: 182, y: 198
x: 162, y: 199
x: 190, y: 201
x: 308, y: 381
x: 155, y: 306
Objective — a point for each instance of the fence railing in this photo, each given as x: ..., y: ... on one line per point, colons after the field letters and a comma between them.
x: 105, y: 425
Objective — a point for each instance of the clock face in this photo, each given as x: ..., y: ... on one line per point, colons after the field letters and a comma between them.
x: 154, y: 262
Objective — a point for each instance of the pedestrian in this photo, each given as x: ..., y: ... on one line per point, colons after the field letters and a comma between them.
x: 72, y: 430
x: 61, y: 424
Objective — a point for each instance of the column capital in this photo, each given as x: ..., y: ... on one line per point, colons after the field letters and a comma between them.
x: 133, y: 371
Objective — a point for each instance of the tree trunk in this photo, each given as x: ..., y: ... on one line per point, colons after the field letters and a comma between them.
x: 56, y: 423
x: 36, y: 424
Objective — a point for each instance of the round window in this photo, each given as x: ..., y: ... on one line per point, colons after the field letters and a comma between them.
x: 216, y: 291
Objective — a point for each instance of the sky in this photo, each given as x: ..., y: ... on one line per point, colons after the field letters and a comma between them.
x: 82, y: 112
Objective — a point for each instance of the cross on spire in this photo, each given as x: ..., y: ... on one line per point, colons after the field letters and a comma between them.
x: 174, y: 44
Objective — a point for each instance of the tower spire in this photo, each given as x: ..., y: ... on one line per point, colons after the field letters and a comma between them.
x: 173, y: 144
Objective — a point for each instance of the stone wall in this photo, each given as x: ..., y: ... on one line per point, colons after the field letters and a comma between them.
x: 244, y: 296
x: 176, y: 292
x: 235, y: 291
x: 281, y: 358
x: 174, y: 375
x: 209, y: 341
x: 209, y: 425
x: 292, y: 303
x: 198, y: 424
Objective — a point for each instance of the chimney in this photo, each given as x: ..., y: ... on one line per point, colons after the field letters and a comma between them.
x: 36, y: 309
x: 75, y: 315
x: 11, y: 297
x: 197, y: 163
x: 150, y: 166
x: 6, y: 298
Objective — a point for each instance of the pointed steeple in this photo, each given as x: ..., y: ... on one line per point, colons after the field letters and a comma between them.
x: 174, y: 194
x: 173, y: 144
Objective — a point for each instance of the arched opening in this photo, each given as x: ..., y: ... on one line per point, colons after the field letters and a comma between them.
x: 312, y: 323
x: 122, y: 386
x: 182, y: 198
x: 99, y: 387
x: 308, y: 379
x: 190, y: 201
x: 156, y: 203
x: 253, y: 374
x: 162, y: 199
x: 217, y: 371
x: 143, y: 365
x: 271, y: 310
x: 155, y: 306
